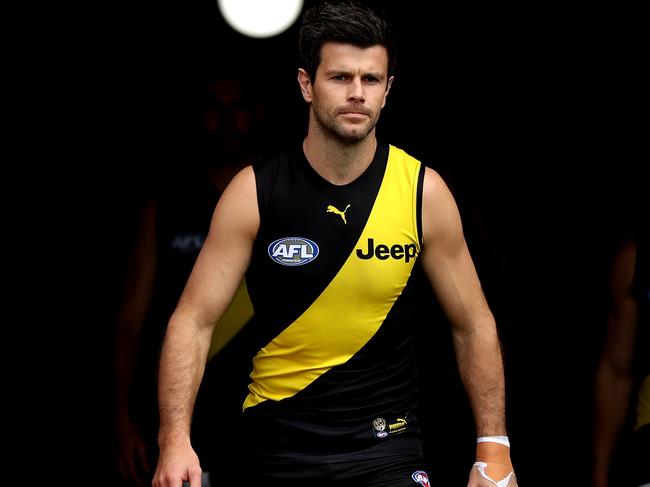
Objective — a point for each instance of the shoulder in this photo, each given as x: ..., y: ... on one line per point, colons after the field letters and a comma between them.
x: 440, y: 216
x: 242, y: 185
x: 237, y: 208
x: 434, y: 189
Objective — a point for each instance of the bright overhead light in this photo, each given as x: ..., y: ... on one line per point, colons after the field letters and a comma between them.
x: 260, y: 18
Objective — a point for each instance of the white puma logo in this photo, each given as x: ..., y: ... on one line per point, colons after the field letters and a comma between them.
x: 333, y: 209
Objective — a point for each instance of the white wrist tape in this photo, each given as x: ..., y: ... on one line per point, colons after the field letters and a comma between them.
x: 503, y: 440
x: 482, y: 466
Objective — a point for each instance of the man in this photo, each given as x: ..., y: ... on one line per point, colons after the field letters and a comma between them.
x: 329, y: 236
x: 622, y: 386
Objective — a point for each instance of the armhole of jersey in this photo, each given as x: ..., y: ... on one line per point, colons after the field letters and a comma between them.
x: 420, y: 185
x: 260, y: 189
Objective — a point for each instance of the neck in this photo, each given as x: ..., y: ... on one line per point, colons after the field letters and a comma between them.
x: 337, y: 162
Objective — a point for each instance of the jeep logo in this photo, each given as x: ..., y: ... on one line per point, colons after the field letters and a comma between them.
x: 383, y: 252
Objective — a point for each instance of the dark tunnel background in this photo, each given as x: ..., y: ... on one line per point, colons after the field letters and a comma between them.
x: 532, y: 115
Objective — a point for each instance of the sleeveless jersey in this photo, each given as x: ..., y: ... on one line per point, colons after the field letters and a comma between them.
x: 332, y: 284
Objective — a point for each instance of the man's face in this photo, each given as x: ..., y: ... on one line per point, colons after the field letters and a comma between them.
x: 350, y: 90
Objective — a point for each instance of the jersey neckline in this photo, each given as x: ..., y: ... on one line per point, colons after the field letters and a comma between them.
x: 378, y: 162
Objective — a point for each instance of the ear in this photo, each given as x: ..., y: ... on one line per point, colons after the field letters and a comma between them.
x: 305, y: 85
x: 388, y: 85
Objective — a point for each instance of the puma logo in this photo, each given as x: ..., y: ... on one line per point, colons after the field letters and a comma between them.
x: 333, y: 209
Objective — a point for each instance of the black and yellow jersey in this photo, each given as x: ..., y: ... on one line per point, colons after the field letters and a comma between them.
x: 332, y: 283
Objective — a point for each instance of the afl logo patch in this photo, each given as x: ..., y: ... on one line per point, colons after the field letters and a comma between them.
x: 421, y: 478
x: 293, y: 251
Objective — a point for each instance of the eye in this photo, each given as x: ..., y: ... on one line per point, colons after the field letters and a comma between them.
x: 339, y: 77
x: 371, y: 79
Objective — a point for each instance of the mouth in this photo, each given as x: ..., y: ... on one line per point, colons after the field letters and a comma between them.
x: 354, y: 112
x: 354, y: 115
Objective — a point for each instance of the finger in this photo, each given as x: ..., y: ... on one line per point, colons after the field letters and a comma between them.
x: 167, y: 481
x: 195, y: 479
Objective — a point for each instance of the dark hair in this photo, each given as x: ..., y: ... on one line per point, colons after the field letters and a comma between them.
x: 348, y: 22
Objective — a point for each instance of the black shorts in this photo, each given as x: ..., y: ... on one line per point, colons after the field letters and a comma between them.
x: 399, y: 471
x: 403, y: 469
x: 293, y: 451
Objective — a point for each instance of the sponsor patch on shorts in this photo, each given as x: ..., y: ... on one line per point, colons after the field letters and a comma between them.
x: 382, y: 427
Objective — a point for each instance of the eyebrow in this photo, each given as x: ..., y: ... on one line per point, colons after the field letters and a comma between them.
x: 374, y: 74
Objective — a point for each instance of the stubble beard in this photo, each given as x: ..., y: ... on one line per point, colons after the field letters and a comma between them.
x: 344, y: 134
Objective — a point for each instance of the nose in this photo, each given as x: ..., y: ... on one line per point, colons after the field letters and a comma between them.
x: 356, y: 92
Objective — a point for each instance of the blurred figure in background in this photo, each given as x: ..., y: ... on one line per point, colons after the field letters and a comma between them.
x: 172, y: 227
x: 621, y: 442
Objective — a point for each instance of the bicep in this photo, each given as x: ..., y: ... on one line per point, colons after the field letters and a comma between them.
x: 226, y: 253
x: 445, y: 257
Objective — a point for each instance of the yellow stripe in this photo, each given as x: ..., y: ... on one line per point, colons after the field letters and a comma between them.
x: 353, y: 306
x: 233, y: 320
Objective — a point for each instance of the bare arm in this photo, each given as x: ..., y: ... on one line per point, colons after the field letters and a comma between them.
x: 614, y: 371
x: 449, y: 267
x: 216, y: 275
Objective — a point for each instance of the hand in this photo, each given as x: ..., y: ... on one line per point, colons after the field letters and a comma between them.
x: 478, y: 480
x: 493, y: 466
x: 175, y: 465
x: 131, y: 455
